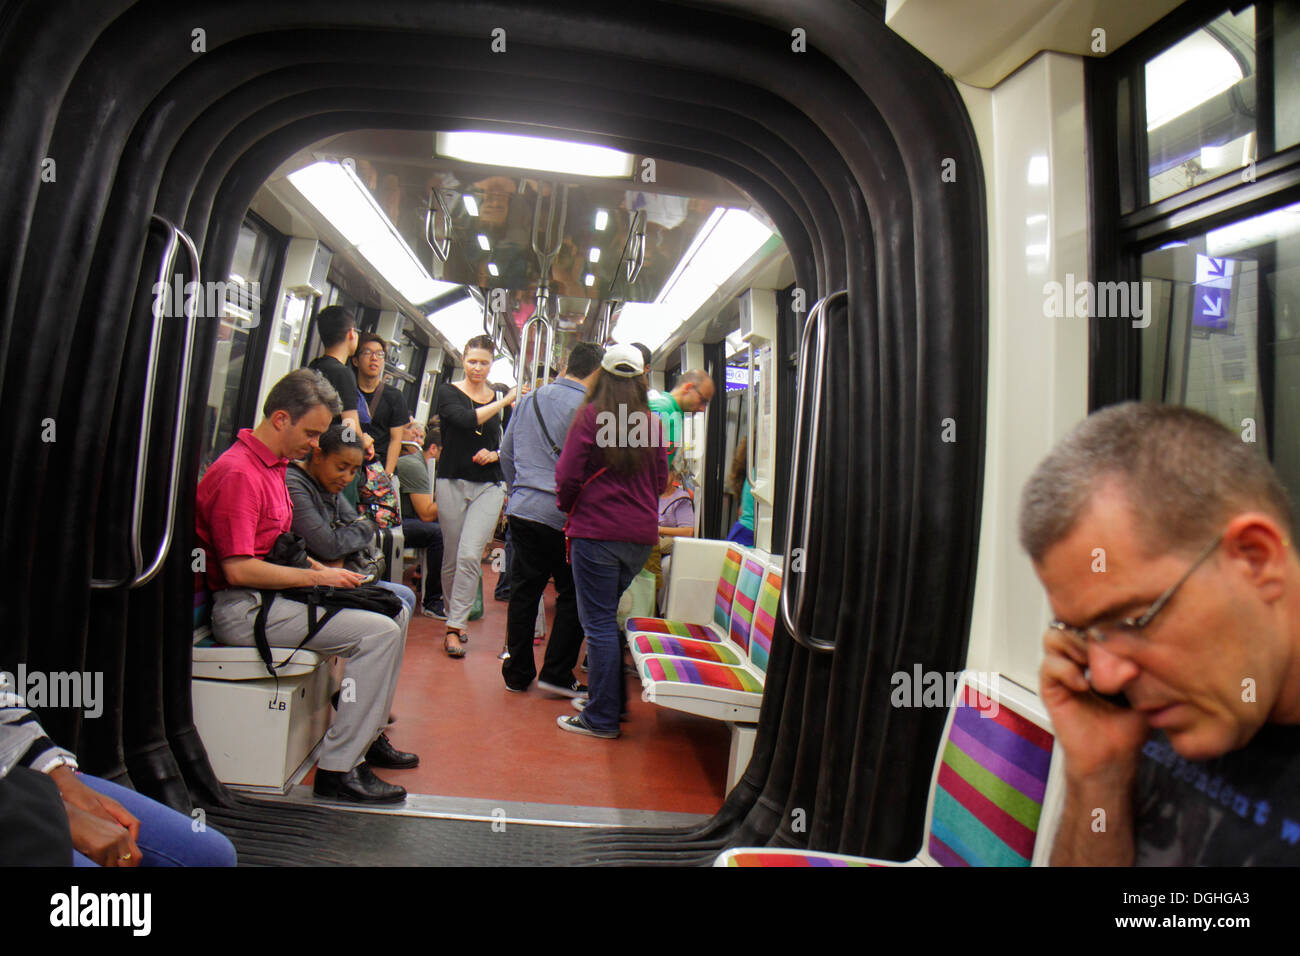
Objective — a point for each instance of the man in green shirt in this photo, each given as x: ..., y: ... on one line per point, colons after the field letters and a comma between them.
x: 691, y: 394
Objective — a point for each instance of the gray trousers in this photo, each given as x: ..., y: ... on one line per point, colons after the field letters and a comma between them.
x: 372, y: 643
x: 467, y: 513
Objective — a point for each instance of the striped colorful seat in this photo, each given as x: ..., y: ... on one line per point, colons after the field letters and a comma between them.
x: 742, y: 611
x: 994, y: 786
x: 992, y: 779
x: 667, y: 628
x: 769, y: 601
x: 711, y: 651
x: 723, y: 598
x: 683, y: 670
x: 791, y: 858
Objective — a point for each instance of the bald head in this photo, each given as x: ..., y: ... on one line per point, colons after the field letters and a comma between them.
x: 694, y: 390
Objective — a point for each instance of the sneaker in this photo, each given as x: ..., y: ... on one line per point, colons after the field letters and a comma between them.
x: 436, y: 610
x: 515, y: 690
x: 575, y: 725
x: 572, y: 689
x: 580, y: 703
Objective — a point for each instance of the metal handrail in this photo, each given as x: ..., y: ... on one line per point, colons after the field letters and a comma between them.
x: 634, y: 270
x: 547, y: 256
x: 440, y: 249
x: 178, y: 432
x: 815, y: 321
x: 146, y: 410
x: 751, y: 432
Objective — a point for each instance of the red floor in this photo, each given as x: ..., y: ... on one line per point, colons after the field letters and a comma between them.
x: 475, y: 739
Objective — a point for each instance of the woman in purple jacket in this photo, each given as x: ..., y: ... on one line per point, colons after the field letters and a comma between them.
x: 608, y: 480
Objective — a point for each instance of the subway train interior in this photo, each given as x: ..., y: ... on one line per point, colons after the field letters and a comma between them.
x: 912, y: 243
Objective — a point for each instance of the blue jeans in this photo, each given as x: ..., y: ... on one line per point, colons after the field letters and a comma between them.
x: 402, y: 591
x: 602, y: 571
x: 167, y: 838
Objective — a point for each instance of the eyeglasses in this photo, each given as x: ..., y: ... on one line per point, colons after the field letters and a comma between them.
x: 1132, y: 626
x: 371, y: 353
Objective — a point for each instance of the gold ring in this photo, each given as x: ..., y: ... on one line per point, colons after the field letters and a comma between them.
x: 123, y: 859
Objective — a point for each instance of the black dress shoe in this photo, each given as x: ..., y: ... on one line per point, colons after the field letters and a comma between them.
x: 358, y: 785
x: 383, y: 754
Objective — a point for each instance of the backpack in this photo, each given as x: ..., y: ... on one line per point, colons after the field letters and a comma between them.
x: 376, y: 496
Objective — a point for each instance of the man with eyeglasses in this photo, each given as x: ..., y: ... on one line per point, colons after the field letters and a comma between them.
x: 388, y: 412
x: 1172, y: 670
x: 692, y: 393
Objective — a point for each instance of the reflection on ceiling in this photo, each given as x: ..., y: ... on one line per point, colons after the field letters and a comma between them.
x: 588, y: 239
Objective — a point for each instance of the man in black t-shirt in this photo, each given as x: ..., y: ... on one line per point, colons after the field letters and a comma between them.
x: 388, y: 412
x: 338, y: 335
x: 1165, y: 542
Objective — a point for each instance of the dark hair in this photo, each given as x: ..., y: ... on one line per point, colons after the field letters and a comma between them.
x: 645, y: 354
x: 1184, y: 474
x: 333, y: 324
x: 610, y: 393
x: 299, y: 392
x: 338, y: 436
x: 584, y: 359
x: 432, y: 436
x: 364, y: 339
x: 483, y: 342
x: 738, y: 473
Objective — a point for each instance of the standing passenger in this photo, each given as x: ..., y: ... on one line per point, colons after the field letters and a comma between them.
x: 469, y: 487
x: 387, y: 407
x: 609, y: 483
x: 337, y: 328
x: 529, y: 453
x: 742, y: 532
x: 692, y: 393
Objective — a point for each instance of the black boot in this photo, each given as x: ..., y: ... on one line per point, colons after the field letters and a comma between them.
x: 383, y: 754
x: 358, y: 785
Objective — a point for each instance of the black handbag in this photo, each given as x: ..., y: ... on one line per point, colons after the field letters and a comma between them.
x: 290, y: 550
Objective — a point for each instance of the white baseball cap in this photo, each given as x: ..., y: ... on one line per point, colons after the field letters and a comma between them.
x: 623, y: 360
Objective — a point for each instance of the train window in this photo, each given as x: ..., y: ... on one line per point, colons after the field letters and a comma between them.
x: 233, y: 339
x: 1200, y: 105
x: 1286, y: 82
x: 1224, y: 331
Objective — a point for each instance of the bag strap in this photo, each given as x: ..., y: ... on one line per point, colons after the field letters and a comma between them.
x: 313, y: 628
x: 600, y: 472
x: 373, y: 402
x: 555, y: 449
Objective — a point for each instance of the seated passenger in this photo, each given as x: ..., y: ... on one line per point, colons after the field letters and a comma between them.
x: 420, y: 512
x: 676, y: 520
x: 742, y: 532
x: 242, y: 507
x: 1165, y: 546
x: 108, y: 824
x: 335, y: 532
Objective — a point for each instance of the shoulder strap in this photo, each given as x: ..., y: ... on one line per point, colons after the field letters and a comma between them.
x: 555, y: 449
x: 373, y: 402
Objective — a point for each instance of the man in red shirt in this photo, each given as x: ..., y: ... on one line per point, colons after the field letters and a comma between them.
x: 243, y: 505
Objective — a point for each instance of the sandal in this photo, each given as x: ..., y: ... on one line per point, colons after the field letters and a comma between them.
x: 457, y: 652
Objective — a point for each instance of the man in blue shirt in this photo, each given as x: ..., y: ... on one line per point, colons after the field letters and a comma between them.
x: 529, y: 450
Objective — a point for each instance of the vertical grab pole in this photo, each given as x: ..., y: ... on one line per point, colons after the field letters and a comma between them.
x: 146, y: 413
x: 178, y: 431
x: 816, y: 321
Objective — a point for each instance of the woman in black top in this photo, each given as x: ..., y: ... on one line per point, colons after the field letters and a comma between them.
x: 469, y: 486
